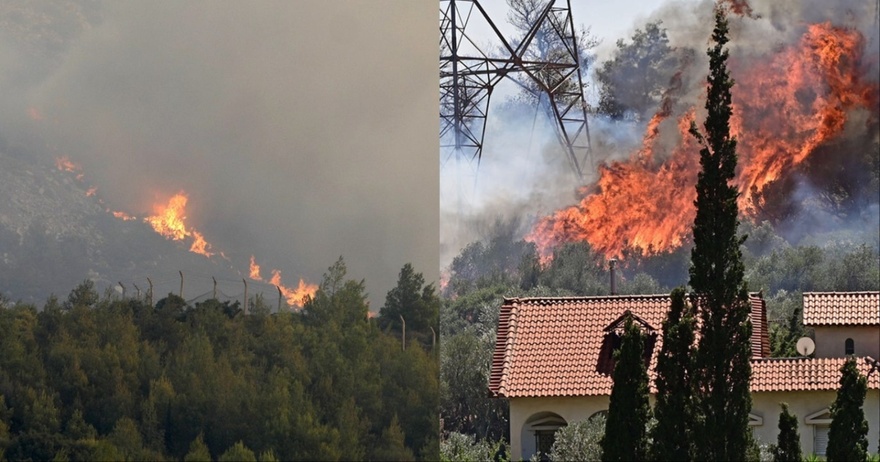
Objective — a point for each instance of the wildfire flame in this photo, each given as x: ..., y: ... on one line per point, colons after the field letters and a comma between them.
x: 64, y: 164
x: 784, y: 107
x: 170, y: 221
x: 294, y: 296
x: 255, y: 270
x: 123, y: 216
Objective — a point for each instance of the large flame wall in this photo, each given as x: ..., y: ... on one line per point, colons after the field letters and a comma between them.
x: 785, y: 105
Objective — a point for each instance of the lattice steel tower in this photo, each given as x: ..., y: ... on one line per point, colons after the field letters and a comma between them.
x: 545, y: 62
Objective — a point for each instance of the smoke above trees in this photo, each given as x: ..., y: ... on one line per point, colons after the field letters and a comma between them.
x: 821, y: 182
x: 300, y: 132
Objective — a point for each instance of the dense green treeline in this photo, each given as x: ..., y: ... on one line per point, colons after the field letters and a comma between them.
x: 116, y: 379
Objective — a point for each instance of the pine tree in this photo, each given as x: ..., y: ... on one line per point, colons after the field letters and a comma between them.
x: 628, y: 411
x: 672, y: 436
x: 788, y: 443
x: 848, y: 435
x: 716, y: 276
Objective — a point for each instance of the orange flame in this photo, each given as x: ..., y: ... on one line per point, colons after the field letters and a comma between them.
x: 789, y: 105
x: 64, y: 164
x: 170, y: 221
x: 255, y: 270
x: 294, y: 296
x: 123, y: 216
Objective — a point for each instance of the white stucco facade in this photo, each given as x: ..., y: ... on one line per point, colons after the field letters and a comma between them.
x: 831, y: 341
x: 570, y: 409
x: 765, y: 406
x: 805, y: 404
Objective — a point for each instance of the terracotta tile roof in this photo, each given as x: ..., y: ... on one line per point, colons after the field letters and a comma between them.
x: 796, y: 374
x: 842, y: 308
x: 559, y: 346
x: 760, y: 332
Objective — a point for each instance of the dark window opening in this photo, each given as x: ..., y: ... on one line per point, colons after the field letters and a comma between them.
x: 849, y: 347
x: 544, y: 440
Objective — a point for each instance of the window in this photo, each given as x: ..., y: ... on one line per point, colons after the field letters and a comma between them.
x: 544, y: 440
x: 849, y: 347
x: 540, y: 429
x: 820, y: 421
x: 820, y: 439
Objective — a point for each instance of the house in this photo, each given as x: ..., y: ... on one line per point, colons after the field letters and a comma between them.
x: 553, y: 362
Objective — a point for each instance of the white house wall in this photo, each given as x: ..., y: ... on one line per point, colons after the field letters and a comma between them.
x: 802, y: 404
x: 572, y: 409
x: 830, y: 341
x: 764, y: 405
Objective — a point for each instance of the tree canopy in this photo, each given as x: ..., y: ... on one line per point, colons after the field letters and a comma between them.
x: 114, y: 378
x: 717, y: 275
x: 632, y: 82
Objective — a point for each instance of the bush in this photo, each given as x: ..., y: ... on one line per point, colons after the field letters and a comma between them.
x: 461, y: 447
x: 579, y: 440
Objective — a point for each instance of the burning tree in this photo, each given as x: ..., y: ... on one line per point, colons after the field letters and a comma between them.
x: 716, y: 276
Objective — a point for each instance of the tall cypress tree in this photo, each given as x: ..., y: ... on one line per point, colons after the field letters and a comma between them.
x: 716, y: 276
x: 672, y: 436
x: 848, y: 435
x: 788, y: 443
x: 625, y: 436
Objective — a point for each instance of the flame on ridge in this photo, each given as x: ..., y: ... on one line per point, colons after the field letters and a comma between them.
x: 784, y: 107
x: 64, y: 164
x: 294, y: 296
x: 170, y: 221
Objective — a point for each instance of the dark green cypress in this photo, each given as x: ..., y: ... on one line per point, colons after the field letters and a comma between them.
x: 625, y: 436
x: 848, y: 435
x: 716, y: 276
x: 788, y: 442
x: 672, y: 435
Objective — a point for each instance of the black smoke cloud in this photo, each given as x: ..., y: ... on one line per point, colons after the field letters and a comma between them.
x: 301, y: 131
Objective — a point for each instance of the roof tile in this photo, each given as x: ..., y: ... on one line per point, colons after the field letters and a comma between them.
x: 558, y: 346
x: 842, y: 308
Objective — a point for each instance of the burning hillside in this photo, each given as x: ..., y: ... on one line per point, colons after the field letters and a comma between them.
x: 295, y: 296
x: 169, y: 220
x: 786, y: 105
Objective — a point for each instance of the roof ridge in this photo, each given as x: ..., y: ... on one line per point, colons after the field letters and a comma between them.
x: 860, y: 292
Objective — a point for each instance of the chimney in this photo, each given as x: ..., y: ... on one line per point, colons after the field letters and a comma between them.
x: 611, y: 264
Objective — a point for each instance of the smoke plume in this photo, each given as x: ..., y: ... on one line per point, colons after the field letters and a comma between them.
x: 657, y: 150
x: 299, y: 131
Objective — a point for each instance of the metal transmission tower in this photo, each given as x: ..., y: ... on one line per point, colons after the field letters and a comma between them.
x: 545, y: 62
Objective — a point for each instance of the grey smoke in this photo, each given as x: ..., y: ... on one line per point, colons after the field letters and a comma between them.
x: 514, y: 183
x: 301, y: 131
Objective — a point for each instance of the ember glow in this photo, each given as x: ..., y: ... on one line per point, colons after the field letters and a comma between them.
x: 170, y: 221
x: 123, y: 216
x: 294, y: 296
x: 784, y: 107
x: 64, y: 164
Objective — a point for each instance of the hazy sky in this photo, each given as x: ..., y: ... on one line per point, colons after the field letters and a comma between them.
x: 301, y: 130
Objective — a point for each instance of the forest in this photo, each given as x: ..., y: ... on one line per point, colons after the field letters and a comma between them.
x: 101, y: 377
